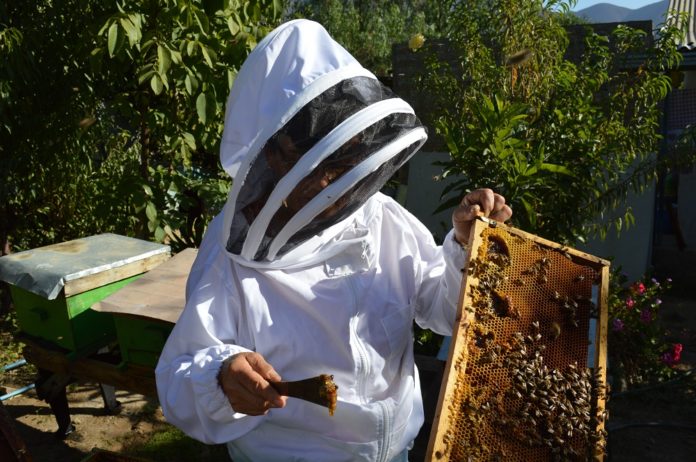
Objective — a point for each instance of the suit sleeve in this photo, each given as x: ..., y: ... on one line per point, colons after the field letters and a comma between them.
x: 203, y: 337
x: 437, y: 271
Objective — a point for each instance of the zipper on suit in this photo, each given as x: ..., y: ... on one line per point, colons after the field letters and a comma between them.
x: 385, y: 440
x: 385, y: 424
x: 363, y: 362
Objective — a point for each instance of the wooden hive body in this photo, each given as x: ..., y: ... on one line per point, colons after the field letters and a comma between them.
x: 54, y: 287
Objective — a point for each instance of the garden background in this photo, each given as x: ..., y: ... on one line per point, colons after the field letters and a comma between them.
x: 111, y: 115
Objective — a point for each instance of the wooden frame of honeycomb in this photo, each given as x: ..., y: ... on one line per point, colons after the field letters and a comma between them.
x: 526, y: 375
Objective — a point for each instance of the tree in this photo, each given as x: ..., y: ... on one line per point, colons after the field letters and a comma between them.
x: 563, y: 141
x: 111, y: 114
x: 368, y: 28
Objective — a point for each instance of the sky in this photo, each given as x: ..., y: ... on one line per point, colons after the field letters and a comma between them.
x: 632, y: 4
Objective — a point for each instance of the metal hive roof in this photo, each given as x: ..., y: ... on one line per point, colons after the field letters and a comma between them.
x: 689, y: 7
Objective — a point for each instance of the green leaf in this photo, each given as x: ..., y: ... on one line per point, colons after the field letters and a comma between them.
x: 191, y: 47
x: 156, y: 84
x: 145, y: 76
x: 202, y: 21
x: 233, y: 26
x: 191, y: 84
x: 132, y: 31
x: 277, y: 8
x: 160, y: 234
x: 112, y: 39
x: 201, y: 104
x: 189, y: 140
x: 176, y: 56
x: 531, y: 213
x: 164, y: 59
x: 554, y: 168
x: 206, y: 55
x: 151, y: 211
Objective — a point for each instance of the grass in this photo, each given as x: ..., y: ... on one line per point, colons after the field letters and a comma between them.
x: 167, y: 443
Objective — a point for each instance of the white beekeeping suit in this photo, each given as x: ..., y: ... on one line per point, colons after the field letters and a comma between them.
x: 309, y: 265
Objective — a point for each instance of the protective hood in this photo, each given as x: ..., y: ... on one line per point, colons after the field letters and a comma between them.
x: 310, y: 136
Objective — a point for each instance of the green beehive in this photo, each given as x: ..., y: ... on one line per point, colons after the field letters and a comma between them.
x: 146, y: 310
x: 54, y: 287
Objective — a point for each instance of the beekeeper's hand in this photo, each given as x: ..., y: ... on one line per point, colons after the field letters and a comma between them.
x: 244, y: 379
x: 492, y: 205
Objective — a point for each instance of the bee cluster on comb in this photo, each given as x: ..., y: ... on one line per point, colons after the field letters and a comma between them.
x: 525, y: 379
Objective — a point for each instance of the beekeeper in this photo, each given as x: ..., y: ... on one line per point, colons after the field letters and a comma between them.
x: 309, y: 269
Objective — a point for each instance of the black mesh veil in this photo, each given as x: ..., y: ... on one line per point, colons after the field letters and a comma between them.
x: 357, y: 133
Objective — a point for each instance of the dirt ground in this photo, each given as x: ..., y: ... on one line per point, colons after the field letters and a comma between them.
x: 138, y: 430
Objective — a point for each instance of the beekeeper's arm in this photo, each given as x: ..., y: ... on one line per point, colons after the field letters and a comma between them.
x: 190, y: 369
x: 439, y: 275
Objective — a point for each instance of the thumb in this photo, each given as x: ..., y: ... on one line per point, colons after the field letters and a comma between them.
x: 465, y: 213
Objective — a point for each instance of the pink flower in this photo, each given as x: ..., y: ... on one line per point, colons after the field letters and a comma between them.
x: 638, y: 287
x: 676, y: 351
x: 672, y: 357
x: 630, y: 303
x: 617, y: 325
x: 645, y: 316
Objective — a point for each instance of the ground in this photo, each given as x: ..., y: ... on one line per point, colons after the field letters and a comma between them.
x: 139, y: 430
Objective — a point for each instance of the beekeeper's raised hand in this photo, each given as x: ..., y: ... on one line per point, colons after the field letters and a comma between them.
x: 480, y: 200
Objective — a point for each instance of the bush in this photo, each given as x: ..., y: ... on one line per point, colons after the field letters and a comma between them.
x: 639, y: 352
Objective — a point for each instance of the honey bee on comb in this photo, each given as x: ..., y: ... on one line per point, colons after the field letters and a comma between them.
x: 519, y: 382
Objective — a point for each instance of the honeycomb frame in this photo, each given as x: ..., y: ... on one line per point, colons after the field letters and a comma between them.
x: 525, y: 379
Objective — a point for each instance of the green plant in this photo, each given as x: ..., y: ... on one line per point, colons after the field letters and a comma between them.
x: 638, y: 349
x: 369, y: 28
x: 564, y: 141
x: 10, y: 349
x: 111, y: 114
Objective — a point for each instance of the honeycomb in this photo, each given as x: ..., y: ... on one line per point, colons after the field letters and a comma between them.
x: 526, y: 375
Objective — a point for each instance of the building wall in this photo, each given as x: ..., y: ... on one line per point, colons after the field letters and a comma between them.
x: 631, y: 250
x: 687, y: 208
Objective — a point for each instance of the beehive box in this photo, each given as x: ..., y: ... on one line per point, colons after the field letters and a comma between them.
x: 525, y: 377
x: 53, y: 287
x: 146, y: 310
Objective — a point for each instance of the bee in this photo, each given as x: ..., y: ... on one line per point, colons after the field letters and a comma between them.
x: 554, y: 330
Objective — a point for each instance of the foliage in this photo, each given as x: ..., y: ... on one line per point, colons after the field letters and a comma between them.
x: 426, y: 342
x: 564, y: 141
x: 369, y: 28
x: 111, y: 114
x: 10, y: 350
x: 638, y: 348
